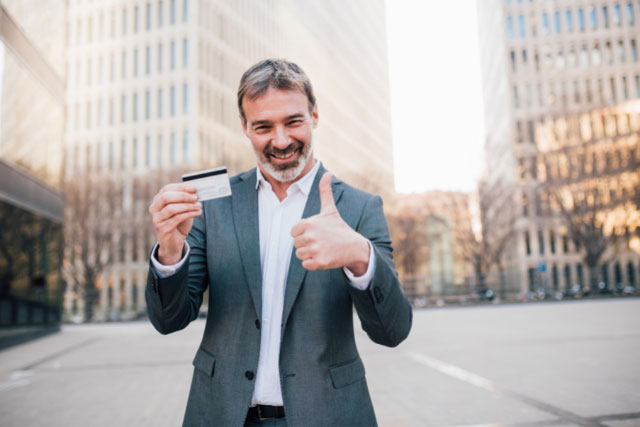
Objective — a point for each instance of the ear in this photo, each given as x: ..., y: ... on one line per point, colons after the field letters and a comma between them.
x: 314, y: 115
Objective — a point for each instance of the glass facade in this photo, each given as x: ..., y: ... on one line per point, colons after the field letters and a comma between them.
x: 31, y: 159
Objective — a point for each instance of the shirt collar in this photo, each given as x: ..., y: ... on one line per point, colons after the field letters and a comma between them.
x: 303, y: 184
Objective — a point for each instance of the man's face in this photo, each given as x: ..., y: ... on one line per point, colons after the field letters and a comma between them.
x: 280, y: 128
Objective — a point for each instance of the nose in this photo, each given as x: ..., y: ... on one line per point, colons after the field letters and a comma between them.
x: 281, y: 139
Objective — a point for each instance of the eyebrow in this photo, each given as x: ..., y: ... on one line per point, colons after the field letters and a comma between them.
x: 268, y: 122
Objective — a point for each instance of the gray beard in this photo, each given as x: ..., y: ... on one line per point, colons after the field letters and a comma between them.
x: 289, y: 174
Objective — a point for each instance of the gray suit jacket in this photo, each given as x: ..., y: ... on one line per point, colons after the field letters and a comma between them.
x: 322, y: 376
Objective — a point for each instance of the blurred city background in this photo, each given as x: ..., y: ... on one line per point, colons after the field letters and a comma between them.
x: 503, y: 136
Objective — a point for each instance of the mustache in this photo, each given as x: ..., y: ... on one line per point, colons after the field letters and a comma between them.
x: 294, y: 146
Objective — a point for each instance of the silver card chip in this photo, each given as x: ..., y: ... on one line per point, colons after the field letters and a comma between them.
x: 210, y: 183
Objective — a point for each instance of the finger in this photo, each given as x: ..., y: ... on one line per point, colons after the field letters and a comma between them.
x: 326, y: 194
x: 175, y: 209
x: 178, y: 186
x: 300, y: 241
x: 298, y: 229
x: 304, y: 253
x: 310, y: 265
x: 176, y: 220
x: 165, y: 198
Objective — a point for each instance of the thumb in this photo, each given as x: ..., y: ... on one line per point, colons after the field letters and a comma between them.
x: 326, y: 194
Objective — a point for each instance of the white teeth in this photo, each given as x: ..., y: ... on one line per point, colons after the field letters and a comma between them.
x: 280, y: 156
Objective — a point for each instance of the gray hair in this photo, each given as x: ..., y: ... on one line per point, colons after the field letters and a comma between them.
x: 277, y: 74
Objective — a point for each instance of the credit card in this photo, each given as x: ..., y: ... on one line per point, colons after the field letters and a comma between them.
x: 210, y: 183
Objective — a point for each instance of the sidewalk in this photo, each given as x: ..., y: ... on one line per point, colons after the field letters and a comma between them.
x: 569, y: 363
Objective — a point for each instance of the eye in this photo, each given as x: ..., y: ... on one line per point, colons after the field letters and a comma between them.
x: 261, y: 129
x: 295, y: 122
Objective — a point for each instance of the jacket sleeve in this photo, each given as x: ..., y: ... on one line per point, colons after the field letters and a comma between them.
x: 383, y: 308
x: 174, y: 301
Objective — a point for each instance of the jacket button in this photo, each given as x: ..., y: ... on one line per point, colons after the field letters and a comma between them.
x: 257, y: 323
x: 249, y: 375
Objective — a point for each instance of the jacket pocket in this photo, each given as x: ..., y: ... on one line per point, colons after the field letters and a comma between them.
x: 204, y: 361
x: 348, y: 373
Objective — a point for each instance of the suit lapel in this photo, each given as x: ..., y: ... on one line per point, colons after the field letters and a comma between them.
x: 297, y: 273
x: 245, y: 218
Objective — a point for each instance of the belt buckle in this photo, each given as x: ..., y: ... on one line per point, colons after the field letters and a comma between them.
x: 260, y: 414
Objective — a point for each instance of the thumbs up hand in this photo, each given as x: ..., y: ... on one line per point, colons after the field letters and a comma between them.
x: 324, y: 241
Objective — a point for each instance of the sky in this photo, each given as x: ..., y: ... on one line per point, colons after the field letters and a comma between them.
x: 436, y: 94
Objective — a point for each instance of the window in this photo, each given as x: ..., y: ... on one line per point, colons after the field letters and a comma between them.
x: 185, y: 98
x: 159, y: 57
x: 621, y: 56
x: 124, y: 21
x: 123, y: 107
x: 185, y: 11
x: 637, y: 79
x: 630, y: 14
x: 135, y: 62
x: 554, y: 277
x: 513, y: 61
x: 123, y: 72
x: 111, y: 156
x: 147, y: 105
x: 545, y: 23
x: 565, y: 244
x: 123, y: 154
x: 185, y: 53
x: 160, y: 13
x: 160, y: 103
x: 172, y: 100
x: 135, y: 107
x: 617, y: 15
x: 605, y: 16
x: 147, y: 151
x: 185, y: 147
x: 625, y: 89
x: 135, y: 152
x: 111, y: 108
x: 510, y: 27
x: 556, y: 21
x: 521, y: 26
x: 112, y: 68
x: 612, y: 85
x: 159, y: 151
x: 99, y: 119
x: 540, y: 242
x: 173, y: 11
x: 516, y: 99
x: 552, y: 241
x: 593, y: 18
x: 569, y: 20
x: 173, y: 55
x: 172, y: 149
x: 148, y: 17
x: 634, y: 51
x: 580, y: 273
x: 581, y: 19
x: 531, y: 273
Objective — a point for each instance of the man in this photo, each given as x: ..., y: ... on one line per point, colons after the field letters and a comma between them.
x: 286, y: 257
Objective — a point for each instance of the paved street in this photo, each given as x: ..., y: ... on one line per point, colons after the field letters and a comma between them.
x: 543, y: 364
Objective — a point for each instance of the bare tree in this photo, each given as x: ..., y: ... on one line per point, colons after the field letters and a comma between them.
x: 595, y: 207
x: 409, y: 236
x: 484, y: 247
x: 88, y: 233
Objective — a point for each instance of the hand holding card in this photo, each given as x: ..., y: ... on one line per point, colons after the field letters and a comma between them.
x: 209, y: 184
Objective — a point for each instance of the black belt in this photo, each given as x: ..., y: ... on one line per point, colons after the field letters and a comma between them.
x: 266, y: 412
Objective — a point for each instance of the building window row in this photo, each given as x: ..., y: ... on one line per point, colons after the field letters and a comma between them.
x: 134, y: 153
x: 134, y: 63
x: 131, y: 19
x: 588, y: 55
x: 582, y: 19
x: 133, y: 108
x: 552, y: 278
x: 562, y: 93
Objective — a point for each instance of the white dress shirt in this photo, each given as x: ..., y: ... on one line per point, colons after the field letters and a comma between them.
x: 276, y: 219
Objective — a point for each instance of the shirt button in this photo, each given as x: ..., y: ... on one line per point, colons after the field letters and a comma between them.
x: 249, y: 375
x: 257, y: 323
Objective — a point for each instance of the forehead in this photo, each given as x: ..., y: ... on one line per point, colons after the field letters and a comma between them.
x: 275, y: 103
